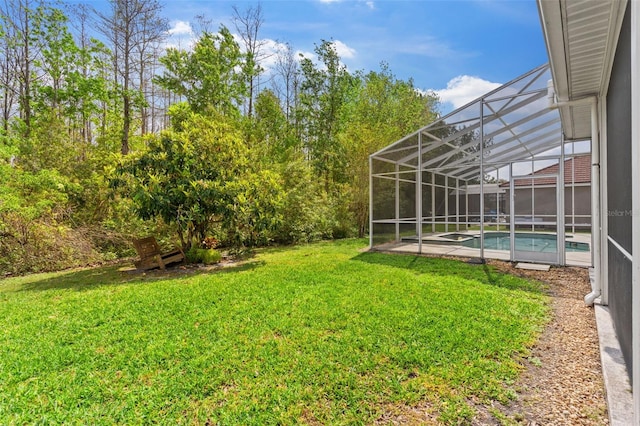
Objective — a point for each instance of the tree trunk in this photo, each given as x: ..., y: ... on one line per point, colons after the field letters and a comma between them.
x: 26, y: 100
x: 126, y: 113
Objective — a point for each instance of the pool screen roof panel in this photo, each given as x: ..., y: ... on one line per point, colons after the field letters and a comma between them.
x: 513, y: 121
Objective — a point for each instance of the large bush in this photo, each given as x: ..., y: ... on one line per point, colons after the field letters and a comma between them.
x: 198, y: 177
x: 305, y: 206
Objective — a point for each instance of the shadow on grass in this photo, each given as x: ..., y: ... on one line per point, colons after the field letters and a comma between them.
x: 88, y: 279
x: 482, y: 273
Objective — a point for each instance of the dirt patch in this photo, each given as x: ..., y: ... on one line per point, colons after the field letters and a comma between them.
x: 187, y: 268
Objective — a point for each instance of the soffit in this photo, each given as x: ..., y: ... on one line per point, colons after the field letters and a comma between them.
x: 581, y: 37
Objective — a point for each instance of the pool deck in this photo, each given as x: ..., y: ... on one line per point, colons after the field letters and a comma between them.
x: 581, y: 259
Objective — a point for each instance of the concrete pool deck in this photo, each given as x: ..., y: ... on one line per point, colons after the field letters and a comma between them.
x: 432, y: 245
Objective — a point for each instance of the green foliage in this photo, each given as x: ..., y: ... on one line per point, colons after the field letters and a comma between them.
x: 203, y: 255
x: 343, y: 221
x: 273, y: 138
x: 200, y: 175
x: 382, y: 109
x: 48, y: 146
x: 179, y: 113
x: 311, y: 334
x: 207, y: 76
x: 70, y: 89
x: 292, y: 170
x: 306, y: 212
x: 182, y: 178
x: 324, y: 94
x: 211, y: 256
x: 255, y: 208
x: 31, y: 207
x: 32, y: 195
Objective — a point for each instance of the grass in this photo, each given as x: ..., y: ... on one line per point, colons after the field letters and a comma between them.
x: 312, y: 334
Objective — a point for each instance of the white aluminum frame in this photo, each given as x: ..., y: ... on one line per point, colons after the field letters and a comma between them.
x: 509, y: 125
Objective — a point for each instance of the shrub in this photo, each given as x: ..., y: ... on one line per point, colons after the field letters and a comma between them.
x: 188, y: 177
x: 306, y: 209
x: 206, y: 256
x: 41, y: 247
x: 192, y: 255
x: 210, y: 256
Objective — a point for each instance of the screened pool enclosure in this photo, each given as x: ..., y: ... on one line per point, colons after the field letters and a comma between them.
x: 493, y: 179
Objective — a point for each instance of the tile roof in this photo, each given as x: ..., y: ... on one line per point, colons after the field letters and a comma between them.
x: 581, y: 174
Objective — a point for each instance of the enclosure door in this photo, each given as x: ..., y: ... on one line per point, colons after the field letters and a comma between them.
x: 535, y: 211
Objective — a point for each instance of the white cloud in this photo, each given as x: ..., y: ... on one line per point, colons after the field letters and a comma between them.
x: 181, y: 28
x: 369, y: 3
x: 181, y: 36
x: 343, y: 50
x: 269, y: 51
x: 465, y: 88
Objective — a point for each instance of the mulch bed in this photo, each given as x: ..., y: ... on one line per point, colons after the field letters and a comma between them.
x: 562, y: 383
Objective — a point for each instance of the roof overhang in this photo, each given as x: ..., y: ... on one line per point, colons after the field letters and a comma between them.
x: 581, y: 38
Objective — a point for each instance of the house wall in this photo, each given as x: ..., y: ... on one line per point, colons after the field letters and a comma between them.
x: 577, y: 202
x: 540, y: 201
x: 619, y: 194
x: 581, y: 207
x: 492, y: 203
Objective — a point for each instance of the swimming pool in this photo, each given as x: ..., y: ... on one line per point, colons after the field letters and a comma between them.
x: 543, y: 243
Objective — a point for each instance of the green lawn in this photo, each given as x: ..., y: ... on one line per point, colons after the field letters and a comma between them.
x: 320, y: 334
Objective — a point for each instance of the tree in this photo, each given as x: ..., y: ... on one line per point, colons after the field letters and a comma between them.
x: 81, y: 12
x: 8, y: 76
x: 152, y: 31
x: 199, y: 174
x: 131, y: 28
x: 248, y: 25
x: 209, y: 76
x: 272, y: 131
x: 324, y: 92
x: 382, y: 110
x: 30, y: 212
x: 21, y: 22
x: 287, y: 82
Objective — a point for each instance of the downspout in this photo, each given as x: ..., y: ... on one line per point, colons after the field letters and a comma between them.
x: 596, y: 289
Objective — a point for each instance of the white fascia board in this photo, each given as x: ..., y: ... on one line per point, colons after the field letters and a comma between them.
x: 553, y: 29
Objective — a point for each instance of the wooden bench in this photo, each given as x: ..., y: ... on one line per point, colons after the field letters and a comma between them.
x: 151, y: 256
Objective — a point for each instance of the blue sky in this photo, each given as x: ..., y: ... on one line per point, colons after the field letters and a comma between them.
x: 459, y: 48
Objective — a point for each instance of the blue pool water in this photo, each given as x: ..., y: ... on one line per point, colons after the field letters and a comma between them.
x: 545, y: 243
